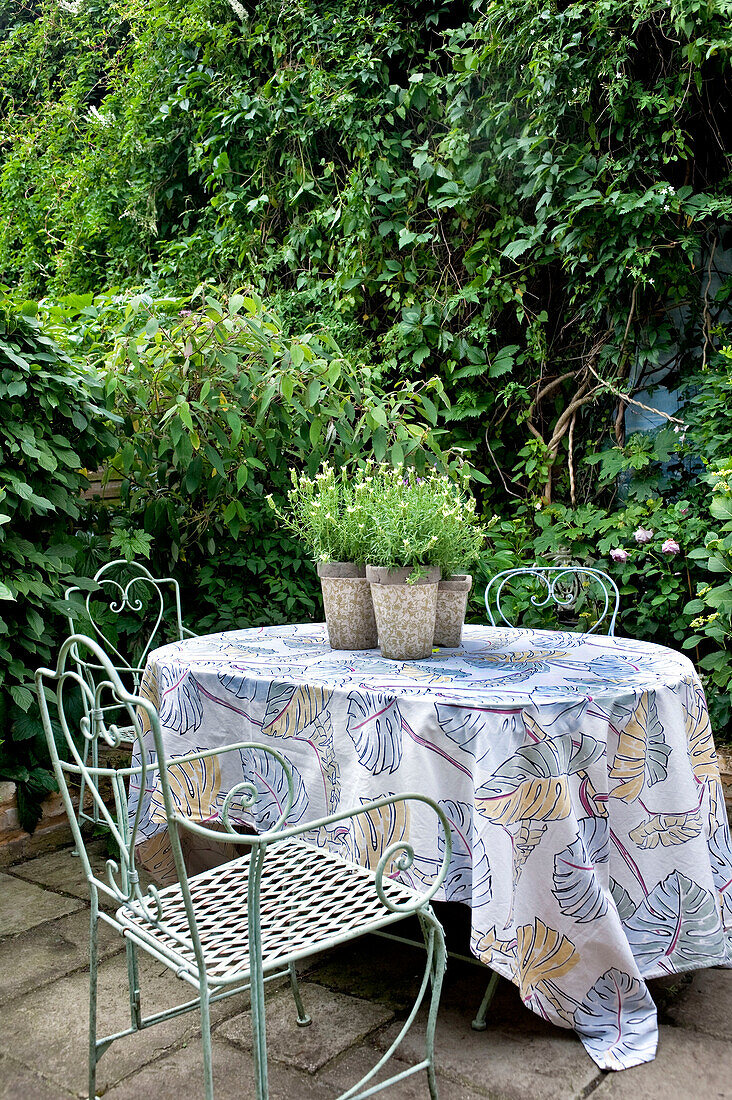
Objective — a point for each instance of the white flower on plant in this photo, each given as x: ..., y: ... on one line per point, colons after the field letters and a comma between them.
x: 671, y: 547
x: 643, y: 535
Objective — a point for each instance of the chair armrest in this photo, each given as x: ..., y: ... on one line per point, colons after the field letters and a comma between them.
x: 277, y: 834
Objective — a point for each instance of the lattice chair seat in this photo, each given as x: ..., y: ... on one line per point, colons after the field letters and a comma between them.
x: 308, y: 896
x: 234, y: 927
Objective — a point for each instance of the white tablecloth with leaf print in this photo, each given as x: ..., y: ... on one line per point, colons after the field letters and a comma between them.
x: 578, y: 772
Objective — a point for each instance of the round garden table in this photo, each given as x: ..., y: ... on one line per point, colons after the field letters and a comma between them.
x: 578, y: 772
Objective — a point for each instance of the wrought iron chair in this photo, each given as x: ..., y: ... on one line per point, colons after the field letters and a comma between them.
x: 569, y: 587
x: 126, y: 595
x: 243, y: 923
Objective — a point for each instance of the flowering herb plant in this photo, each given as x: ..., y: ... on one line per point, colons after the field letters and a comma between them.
x: 326, y: 514
x: 385, y: 515
x: 419, y: 521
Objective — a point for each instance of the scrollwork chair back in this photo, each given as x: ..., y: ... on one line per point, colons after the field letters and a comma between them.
x: 127, y: 605
x: 568, y: 587
x: 239, y: 925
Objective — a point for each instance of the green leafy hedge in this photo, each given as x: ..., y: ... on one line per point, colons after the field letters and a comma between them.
x: 51, y: 427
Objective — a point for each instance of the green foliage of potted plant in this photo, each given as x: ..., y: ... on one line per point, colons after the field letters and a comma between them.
x: 418, y: 529
x: 326, y: 514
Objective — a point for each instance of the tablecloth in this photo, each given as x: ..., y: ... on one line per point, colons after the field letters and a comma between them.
x: 578, y: 772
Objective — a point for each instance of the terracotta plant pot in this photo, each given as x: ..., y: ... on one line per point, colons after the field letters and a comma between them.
x: 405, y: 613
x: 349, y: 612
x: 452, y: 602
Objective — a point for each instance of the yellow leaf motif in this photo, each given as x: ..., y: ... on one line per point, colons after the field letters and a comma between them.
x: 376, y: 830
x: 699, y: 734
x: 517, y: 657
x: 666, y: 829
x: 303, y: 708
x: 194, y: 788
x: 533, y: 727
x: 641, y: 751
x: 487, y: 946
x: 542, y: 953
x: 598, y: 807
x: 542, y: 799
x: 149, y: 689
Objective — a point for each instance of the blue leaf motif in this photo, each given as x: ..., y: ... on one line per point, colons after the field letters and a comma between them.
x: 469, y: 874
x: 623, y: 901
x: 270, y: 779
x: 657, y: 751
x: 466, y: 726
x: 577, y: 885
x: 181, y: 708
x: 237, y: 684
x: 278, y: 700
x: 374, y: 724
x: 584, y: 753
x: 463, y: 725
x: 677, y: 924
x: 617, y: 1021
x: 721, y: 858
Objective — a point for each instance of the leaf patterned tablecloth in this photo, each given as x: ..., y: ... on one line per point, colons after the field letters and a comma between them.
x: 578, y: 772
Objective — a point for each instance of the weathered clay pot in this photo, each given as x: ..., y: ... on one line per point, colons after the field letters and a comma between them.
x: 405, y: 613
x: 349, y: 611
x: 452, y: 602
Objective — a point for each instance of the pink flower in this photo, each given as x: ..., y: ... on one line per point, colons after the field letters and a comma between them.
x: 642, y: 535
x: 670, y: 546
x: 619, y: 555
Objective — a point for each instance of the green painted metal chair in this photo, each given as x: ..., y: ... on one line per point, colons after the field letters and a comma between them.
x: 243, y: 923
x: 574, y: 588
x: 127, y: 612
x: 568, y: 587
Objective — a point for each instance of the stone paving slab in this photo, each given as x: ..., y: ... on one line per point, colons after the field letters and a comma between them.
x: 49, y: 951
x: 64, y: 872
x: 688, y: 1066
x: 705, y: 1004
x: 18, y: 1082
x: 375, y: 969
x: 181, y: 1075
x: 338, y: 1022
x: 23, y: 905
x: 504, y: 1063
x: 356, y: 995
x: 50, y: 1025
x: 337, y: 1077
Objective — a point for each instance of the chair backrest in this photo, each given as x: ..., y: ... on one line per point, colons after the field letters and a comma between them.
x: 78, y: 722
x: 589, y: 593
x: 77, y: 730
x: 126, y: 611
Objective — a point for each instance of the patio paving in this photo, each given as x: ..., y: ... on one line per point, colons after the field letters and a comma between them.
x: 357, y: 996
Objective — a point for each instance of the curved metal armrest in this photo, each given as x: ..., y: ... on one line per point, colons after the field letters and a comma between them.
x: 278, y: 834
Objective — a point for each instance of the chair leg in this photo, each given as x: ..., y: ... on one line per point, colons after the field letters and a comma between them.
x: 479, y: 1023
x: 93, y: 963
x: 432, y: 929
x: 259, y: 1025
x: 208, y: 1088
x: 302, y: 1017
x: 133, y: 981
